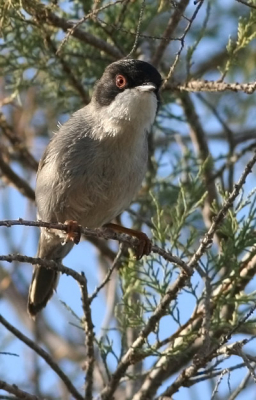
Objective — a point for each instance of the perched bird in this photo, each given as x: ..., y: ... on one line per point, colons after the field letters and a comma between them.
x: 94, y: 165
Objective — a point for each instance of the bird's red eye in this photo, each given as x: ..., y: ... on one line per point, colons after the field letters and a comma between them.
x: 120, y: 81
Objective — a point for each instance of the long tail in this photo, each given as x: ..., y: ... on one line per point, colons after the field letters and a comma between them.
x: 44, y: 281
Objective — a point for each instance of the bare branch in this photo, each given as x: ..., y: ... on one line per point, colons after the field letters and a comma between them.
x: 241, y: 387
x: 17, y: 392
x: 211, y: 86
x: 138, y: 29
x: 42, y: 353
x: 171, y: 26
x: 89, y: 339
x: 200, y: 362
x: 66, y: 68
x: 108, y: 276
x: 215, y: 390
x: 182, y: 40
x: 238, y: 349
x: 130, y: 356
x: 18, y: 145
x: 44, y: 263
x: 198, y: 137
x: 104, y: 233
x: 45, y: 15
x: 91, y: 14
x: 16, y: 180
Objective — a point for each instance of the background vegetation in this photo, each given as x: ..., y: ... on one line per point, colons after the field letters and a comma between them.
x: 179, y: 324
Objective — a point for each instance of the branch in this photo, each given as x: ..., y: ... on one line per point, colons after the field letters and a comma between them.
x: 50, y: 264
x: 18, y: 144
x: 42, y: 353
x: 211, y: 86
x: 200, y: 362
x: 104, y: 233
x: 172, y: 292
x: 198, y: 137
x: 171, y: 26
x: 182, y: 43
x: 240, y: 388
x: 45, y: 15
x: 208, y: 237
x: 169, y: 365
x: 130, y: 356
x: 108, y: 275
x: 142, y: 9
x: 17, y: 392
x: 16, y: 180
x: 91, y: 14
x: 89, y: 339
x: 77, y: 85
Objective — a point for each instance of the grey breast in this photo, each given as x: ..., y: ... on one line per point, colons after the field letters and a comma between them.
x: 88, y: 179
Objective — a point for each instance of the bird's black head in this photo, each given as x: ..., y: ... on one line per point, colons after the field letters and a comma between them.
x: 126, y: 74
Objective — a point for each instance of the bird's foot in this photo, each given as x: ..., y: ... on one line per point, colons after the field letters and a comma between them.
x: 144, y: 246
x: 73, y: 231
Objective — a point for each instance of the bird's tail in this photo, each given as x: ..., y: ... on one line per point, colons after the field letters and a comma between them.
x: 44, y: 281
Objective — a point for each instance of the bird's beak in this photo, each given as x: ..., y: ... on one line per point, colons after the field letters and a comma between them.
x: 147, y: 87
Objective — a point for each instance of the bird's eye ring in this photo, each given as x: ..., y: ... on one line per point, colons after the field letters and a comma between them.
x: 120, y: 81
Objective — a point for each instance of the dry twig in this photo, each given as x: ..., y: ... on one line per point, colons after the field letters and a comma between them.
x: 14, y: 389
x: 89, y: 339
x: 42, y: 353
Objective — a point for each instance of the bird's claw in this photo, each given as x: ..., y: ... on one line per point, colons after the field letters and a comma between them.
x: 73, y: 231
x: 144, y: 246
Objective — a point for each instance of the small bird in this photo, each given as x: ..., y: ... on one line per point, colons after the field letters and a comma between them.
x: 94, y: 165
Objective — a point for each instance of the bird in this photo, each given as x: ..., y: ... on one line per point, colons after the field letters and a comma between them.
x: 94, y: 165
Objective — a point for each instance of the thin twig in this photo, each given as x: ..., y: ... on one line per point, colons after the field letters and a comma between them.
x: 42, y: 353
x: 206, y: 323
x: 198, y: 137
x: 17, y: 392
x: 241, y: 387
x: 91, y: 14
x: 238, y: 349
x: 207, y: 240
x: 141, y: 35
x: 77, y: 85
x: 231, y: 160
x: 182, y: 40
x: 138, y: 29
x: 212, y: 374
x: 89, y: 339
x: 218, y: 382
x: 199, y: 362
x: 108, y: 275
x: 44, y: 263
x: 171, y: 26
x: 45, y: 15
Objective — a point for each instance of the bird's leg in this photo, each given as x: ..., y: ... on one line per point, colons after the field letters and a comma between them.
x: 144, y: 246
x: 73, y: 231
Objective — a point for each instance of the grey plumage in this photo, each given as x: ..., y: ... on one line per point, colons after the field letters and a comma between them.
x: 94, y: 165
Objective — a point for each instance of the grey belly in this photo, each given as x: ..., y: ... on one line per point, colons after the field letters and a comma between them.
x: 95, y: 191
x: 101, y: 199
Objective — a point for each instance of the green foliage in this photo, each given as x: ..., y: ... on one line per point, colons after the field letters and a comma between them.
x: 245, y: 34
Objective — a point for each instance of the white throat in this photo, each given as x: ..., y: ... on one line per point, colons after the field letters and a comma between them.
x: 132, y: 110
